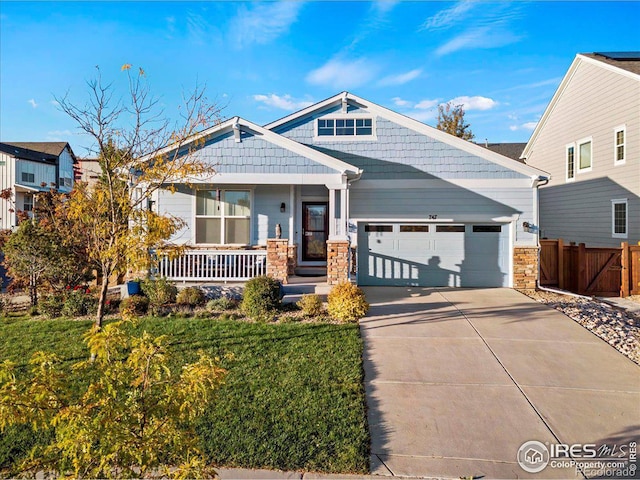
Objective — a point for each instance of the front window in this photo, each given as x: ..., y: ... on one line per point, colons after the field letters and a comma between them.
x: 28, y: 173
x: 619, y: 215
x: 223, y: 216
x: 584, y: 155
x: 571, y: 162
x: 619, y: 154
x: 27, y: 203
x: 345, y: 127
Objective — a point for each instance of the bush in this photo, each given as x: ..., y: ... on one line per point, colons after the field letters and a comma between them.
x: 310, y: 304
x: 78, y: 303
x: 51, y: 305
x: 159, y: 292
x: 134, y: 305
x: 222, y: 303
x: 346, y: 302
x: 191, y: 296
x: 262, y: 296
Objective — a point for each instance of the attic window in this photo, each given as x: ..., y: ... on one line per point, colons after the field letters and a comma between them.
x: 345, y: 127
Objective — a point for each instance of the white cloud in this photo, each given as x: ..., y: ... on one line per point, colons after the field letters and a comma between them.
x: 343, y: 74
x: 427, y: 104
x: 474, y: 103
x: 482, y: 37
x: 524, y: 126
x: 284, y: 102
x: 399, y: 102
x: 401, y: 78
x: 384, y: 6
x: 422, y: 115
x: 32, y: 102
x: 448, y: 17
x: 264, y: 23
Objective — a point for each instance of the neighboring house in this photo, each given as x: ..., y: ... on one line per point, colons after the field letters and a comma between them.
x: 419, y: 206
x: 88, y: 170
x: 27, y: 168
x: 589, y: 141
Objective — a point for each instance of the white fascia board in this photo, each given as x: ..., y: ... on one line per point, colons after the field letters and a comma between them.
x: 469, y: 184
x: 266, y: 179
x: 452, y: 140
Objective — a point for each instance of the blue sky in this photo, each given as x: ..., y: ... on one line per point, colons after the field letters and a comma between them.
x: 501, y: 60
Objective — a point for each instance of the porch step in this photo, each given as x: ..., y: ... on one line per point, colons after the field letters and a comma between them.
x: 311, y: 271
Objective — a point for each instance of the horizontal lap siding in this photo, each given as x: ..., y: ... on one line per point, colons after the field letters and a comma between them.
x: 178, y: 204
x: 255, y: 155
x: 593, y: 104
x: 267, y: 214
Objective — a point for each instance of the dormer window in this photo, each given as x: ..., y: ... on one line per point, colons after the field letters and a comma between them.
x: 345, y: 127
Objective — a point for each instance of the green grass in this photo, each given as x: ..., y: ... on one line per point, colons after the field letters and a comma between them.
x: 293, y: 398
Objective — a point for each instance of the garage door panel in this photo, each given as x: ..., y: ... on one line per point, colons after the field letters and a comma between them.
x: 427, y: 257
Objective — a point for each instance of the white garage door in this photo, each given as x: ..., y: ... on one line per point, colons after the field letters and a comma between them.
x: 470, y: 255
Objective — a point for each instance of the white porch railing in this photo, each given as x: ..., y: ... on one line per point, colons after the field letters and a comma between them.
x: 214, y: 265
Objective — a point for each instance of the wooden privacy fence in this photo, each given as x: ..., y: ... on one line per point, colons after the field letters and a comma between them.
x: 585, y: 270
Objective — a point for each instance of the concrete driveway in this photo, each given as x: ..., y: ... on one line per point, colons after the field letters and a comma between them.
x: 458, y: 379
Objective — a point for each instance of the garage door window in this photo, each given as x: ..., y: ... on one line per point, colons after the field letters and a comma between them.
x: 487, y: 228
x: 414, y: 228
x: 378, y: 228
x: 450, y: 228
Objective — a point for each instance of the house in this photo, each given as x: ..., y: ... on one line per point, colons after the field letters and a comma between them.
x: 511, y: 150
x: 88, y: 170
x: 27, y: 168
x: 588, y: 139
x: 349, y: 185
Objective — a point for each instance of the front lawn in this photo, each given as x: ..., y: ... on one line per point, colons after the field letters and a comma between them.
x: 293, y: 397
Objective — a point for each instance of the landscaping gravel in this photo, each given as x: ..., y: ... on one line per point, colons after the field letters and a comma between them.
x: 618, y: 328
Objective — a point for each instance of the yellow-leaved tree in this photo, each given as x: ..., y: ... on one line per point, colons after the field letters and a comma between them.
x: 139, y: 151
x: 133, y: 420
x: 451, y: 120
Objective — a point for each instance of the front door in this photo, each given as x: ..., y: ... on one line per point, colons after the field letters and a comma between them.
x: 315, y: 229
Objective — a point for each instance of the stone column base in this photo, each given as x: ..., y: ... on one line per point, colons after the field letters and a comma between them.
x: 278, y: 259
x: 525, y: 267
x: 337, y: 261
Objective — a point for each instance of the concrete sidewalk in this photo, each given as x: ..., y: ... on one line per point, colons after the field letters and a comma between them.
x: 458, y: 379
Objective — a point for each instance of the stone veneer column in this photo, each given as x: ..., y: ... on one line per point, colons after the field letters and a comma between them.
x: 525, y: 267
x: 292, y: 261
x: 337, y: 261
x: 278, y: 259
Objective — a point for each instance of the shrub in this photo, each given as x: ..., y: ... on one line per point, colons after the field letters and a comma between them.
x: 134, y: 305
x: 346, y: 302
x: 262, y: 296
x: 159, y: 292
x: 79, y: 302
x: 222, y: 303
x: 310, y: 304
x: 192, y: 296
x: 51, y: 305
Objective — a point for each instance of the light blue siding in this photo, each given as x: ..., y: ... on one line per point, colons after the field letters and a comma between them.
x: 255, y: 155
x: 267, y: 200
x: 180, y: 205
x: 400, y: 153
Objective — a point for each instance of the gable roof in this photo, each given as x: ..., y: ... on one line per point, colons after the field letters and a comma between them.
x: 597, y: 59
x: 510, y: 150
x: 629, y: 61
x: 36, y: 151
x: 414, y: 125
x: 269, y: 136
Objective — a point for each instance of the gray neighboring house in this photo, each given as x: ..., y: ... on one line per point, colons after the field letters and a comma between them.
x: 589, y: 141
x: 27, y: 168
x: 346, y: 179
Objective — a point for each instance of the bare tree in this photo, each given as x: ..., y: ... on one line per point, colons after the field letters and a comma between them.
x: 451, y: 120
x: 139, y: 151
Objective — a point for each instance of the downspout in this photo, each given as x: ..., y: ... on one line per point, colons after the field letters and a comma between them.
x: 541, y: 182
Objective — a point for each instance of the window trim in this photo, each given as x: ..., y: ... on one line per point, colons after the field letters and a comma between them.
x: 623, y: 129
x: 579, y: 143
x: 614, y: 202
x: 31, y: 203
x: 345, y: 138
x: 223, y: 216
x: 566, y: 162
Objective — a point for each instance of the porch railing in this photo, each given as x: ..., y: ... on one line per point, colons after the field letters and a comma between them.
x: 214, y: 265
